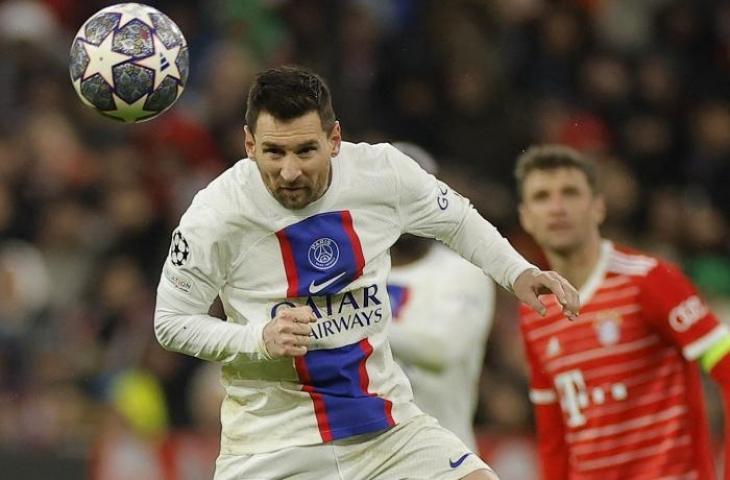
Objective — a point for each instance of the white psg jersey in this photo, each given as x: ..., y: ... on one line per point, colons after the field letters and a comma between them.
x: 442, y: 309
x: 238, y: 242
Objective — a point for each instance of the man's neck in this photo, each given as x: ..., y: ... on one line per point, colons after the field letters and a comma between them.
x: 576, y: 266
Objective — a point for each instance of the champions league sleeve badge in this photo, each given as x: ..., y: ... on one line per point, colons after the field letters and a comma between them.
x: 179, y: 250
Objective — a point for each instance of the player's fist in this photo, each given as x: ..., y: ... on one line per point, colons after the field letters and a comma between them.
x: 287, y: 334
x: 533, y: 282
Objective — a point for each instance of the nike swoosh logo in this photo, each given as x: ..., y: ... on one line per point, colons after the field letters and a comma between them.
x: 459, y: 461
x: 315, y: 289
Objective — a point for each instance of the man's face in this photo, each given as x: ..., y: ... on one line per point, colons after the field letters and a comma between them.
x: 559, y: 209
x: 293, y: 156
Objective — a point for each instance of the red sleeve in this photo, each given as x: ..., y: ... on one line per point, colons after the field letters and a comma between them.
x: 672, y: 304
x: 551, y: 447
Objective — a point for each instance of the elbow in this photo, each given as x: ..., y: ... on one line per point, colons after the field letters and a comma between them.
x: 162, y: 329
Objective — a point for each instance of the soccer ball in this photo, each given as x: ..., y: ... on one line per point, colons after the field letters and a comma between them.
x: 129, y: 62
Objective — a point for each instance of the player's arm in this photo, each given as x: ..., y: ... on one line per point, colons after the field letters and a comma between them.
x: 441, y: 335
x: 551, y: 446
x: 429, y: 208
x: 192, y: 276
x: 716, y: 361
x: 673, y: 304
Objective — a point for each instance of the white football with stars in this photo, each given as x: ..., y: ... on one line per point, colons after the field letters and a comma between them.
x: 129, y: 62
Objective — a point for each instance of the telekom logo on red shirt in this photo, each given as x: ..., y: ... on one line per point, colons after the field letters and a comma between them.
x: 687, y: 313
x: 575, y: 396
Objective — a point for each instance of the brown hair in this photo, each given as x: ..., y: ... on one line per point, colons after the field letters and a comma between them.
x: 551, y: 157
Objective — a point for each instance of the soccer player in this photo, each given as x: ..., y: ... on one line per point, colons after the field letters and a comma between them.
x: 442, y: 309
x: 294, y: 239
x: 617, y: 392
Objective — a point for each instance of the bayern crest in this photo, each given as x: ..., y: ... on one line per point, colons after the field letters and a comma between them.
x: 323, y: 254
x: 129, y: 62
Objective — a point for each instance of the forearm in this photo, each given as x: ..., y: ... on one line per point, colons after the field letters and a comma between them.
x: 203, y: 336
x: 717, y: 363
x: 478, y: 241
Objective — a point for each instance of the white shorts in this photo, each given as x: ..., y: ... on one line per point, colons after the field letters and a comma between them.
x: 417, y: 449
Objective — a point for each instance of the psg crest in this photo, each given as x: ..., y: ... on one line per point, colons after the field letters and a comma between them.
x: 179, y: 250
x: 324, y: 253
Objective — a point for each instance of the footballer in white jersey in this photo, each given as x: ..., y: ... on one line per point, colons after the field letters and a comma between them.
x: 442, y: 309
x: 295, y: 241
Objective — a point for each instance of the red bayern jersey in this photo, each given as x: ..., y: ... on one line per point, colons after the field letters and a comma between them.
x: 616, y: 393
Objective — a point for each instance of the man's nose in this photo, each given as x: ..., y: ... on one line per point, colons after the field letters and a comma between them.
x: 290, y: 169
x: 557, y: 205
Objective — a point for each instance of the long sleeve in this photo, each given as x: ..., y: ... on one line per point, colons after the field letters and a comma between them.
x: 200, y: 335
x: 716, y: 361
x: 551, y: 446
x: 429, y: 208
x: 192, y: 276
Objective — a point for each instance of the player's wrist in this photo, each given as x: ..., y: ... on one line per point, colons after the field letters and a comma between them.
x: 261, y: 343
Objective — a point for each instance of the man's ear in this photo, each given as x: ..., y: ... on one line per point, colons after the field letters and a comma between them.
x: 335, y: 138
x: 249, y: 142
x: 524, y: 218
x: 599, y: 209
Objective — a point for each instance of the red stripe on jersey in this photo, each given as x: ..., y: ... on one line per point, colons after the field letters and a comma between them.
x: 320, y: 411
x: 632, y: 406
x: 365, y: 380
x: 356, y: 245
x: 290, y: 265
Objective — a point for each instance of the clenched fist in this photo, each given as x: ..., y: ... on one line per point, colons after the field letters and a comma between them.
x: 287, y: 334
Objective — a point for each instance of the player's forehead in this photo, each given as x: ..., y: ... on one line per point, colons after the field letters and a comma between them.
x: 554, y: 178
x: 288, y: 133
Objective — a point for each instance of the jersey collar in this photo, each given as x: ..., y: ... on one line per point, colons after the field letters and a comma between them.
x: 598, y: 274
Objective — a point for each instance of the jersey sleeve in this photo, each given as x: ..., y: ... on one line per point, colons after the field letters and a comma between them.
x: 551, y: 446
x: 195, y: 267
x: 192, y: 276
x: 429, y: 208
x: 672, y: 304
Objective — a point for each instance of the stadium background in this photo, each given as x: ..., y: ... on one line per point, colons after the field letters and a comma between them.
x: 87, y: 205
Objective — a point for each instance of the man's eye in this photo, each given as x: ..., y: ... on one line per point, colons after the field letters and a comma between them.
x: 306, y: 150
x: 273, y: 151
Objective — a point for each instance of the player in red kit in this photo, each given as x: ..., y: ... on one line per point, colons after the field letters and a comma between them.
x: 617, y: 392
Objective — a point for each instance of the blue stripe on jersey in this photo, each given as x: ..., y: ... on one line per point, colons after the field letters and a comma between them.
x: 338, y: 382
x: 322, y: 254
x: 398, y: 295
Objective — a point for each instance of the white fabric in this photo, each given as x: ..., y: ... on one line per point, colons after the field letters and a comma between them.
x: 230, y: 234
x: 440, y: 334
x: 416, y: 449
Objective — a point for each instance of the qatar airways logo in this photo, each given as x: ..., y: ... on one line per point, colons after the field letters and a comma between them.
x: 337, y: 313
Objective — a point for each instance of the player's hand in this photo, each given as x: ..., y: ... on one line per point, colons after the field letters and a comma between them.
x: 287, y: 334
x: 533, y: 282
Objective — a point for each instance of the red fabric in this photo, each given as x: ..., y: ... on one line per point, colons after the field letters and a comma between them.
x: 721, y: 374
x: 628, y: 405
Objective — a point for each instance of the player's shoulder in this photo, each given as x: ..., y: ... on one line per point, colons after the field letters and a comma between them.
x: 370, y: 156
x: 623, y: 260
x: 223, y: 199
x: 644, y: 268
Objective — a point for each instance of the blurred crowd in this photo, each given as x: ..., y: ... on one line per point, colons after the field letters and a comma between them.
x: 87, y: 205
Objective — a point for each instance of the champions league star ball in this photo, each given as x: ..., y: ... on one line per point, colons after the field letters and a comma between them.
x: 129, y: 62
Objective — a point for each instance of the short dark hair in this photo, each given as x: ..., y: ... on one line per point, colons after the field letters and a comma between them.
x: 288, y: 92
x: 551, y: 157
